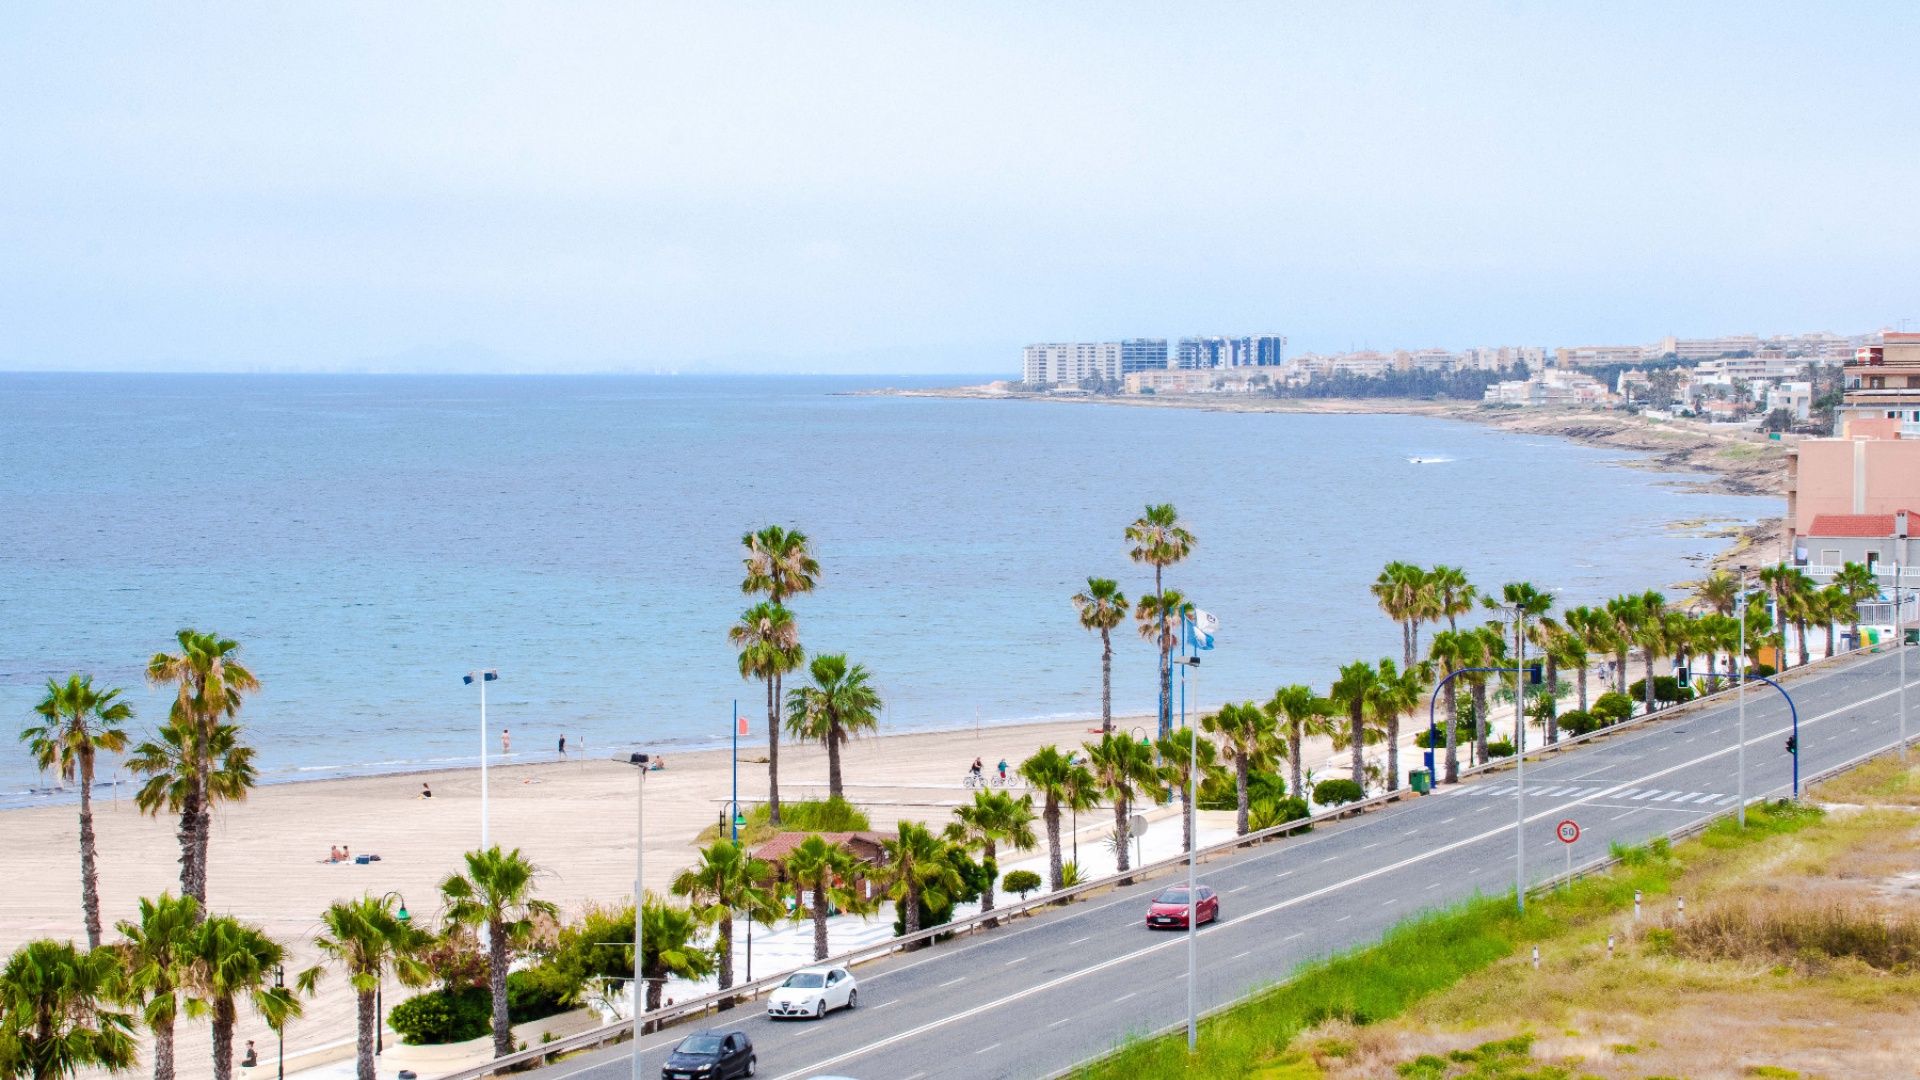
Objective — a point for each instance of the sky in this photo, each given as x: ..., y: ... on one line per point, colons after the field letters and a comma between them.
x: 925, y: 187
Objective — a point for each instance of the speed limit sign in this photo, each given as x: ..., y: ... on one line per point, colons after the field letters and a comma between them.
x: 1567, y: 831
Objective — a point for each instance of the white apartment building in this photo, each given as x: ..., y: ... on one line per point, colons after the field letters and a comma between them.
x: 1795, y: 397
x: 1057, y: 364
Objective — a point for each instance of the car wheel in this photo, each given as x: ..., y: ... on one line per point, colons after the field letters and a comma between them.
x: 753, y: 1066
x: 820, y: 1008
x: 853, y: 998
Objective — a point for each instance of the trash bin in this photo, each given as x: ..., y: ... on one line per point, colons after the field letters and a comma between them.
x: 1422, y: 780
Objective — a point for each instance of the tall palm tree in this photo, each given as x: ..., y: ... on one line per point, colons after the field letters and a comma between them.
x: 78, y: 722
x: 55, y: 1018
x: 1063, y: 785
x: 1350, y: 692
x: 1121, y: 769
x: 1302, y: 713
x: 917, y: 870
x: 1247, y: 738
x: 1650, y: 633
x: 1448, y: 652
x: 769, y: 645
x: 1593, y: 632
x: 1625, y: 614
x: 1801, y: 599
x: 1832, y: 603
x: 1558, y: 645
x: 1402, y: 592
x: 1717, y: 592
x: 1160, y: 539
x: 497, y: 892
x: 1102, y: 607
x: 1859, y: 585
x: 779, y: 564
x: 369, y: 942
x: 1453, y: 594
x: 995, y: 818
x: 151, y: 958
x: 1492, y: 638
x: 228, y: 959
x: 671, y: 947
x: 1177, y: 764
x: 1395, y: 693
x: 1158, y: 617
x: 210, y: 685
x: 185, y: 769
x: 1714, y: 634
x: 726, y: 880
x: 824, y: 873
x: 840, y: 704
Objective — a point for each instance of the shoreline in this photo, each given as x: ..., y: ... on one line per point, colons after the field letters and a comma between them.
x: 1698, y: 457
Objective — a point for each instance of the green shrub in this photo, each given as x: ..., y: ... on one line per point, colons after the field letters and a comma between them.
x: 1666, y: 691
x: 1070, y: 874
x: 442, y: 1016
x: 1612, y: 707
x: 813, y: 815
x: 1220, y: 791
x: 530, y: 997
x: 1575, y: 722
x: 1499, y: 748
x: 1337, y: 792
x: 1022, y: 882
x: 1266, y: 813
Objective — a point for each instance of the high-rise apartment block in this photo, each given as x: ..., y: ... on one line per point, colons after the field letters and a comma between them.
x: 1883, y: 383
x: 1052, y: 365
x: 1143, y: 354
x: 1202, y: 353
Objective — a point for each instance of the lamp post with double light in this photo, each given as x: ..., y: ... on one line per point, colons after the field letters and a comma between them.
x: 640, y: 763
x: 483, y: 677
x: 379, y: 1006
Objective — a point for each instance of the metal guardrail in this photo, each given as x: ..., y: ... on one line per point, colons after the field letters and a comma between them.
x: 743, y: 993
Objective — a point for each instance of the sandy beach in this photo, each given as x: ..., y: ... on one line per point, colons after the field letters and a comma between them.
x: 573, y: 818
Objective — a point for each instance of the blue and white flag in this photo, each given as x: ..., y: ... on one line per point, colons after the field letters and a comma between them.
x: 1200, y: 630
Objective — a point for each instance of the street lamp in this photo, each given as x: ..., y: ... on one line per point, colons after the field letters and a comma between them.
x: 1740, y: 693
x: 1899, y: 631
x: 640, y: 762
x: 1193, y: 838
x: 483, y: 677
x: 1520, y: 750
x: 280, y: 985
x: 379, y: 1009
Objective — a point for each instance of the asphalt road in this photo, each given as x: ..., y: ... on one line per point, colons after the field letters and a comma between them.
x: 1042, y: 994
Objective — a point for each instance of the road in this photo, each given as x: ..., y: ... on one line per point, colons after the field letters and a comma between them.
x: 1042, y: 994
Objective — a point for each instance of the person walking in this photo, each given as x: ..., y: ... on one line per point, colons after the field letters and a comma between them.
x: 563, y: 747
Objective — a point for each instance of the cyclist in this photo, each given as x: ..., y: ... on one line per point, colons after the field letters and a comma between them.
x: 973, y: 774
x: 1003, y: 771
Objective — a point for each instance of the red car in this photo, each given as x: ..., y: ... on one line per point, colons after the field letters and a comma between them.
x: 1169, y: 909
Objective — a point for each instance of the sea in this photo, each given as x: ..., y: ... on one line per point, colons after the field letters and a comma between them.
x: 370, y: 539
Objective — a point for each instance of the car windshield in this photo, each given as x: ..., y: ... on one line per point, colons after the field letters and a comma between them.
x: 698, y: 1044
x: 806, y: 980
x: 1172, y: 896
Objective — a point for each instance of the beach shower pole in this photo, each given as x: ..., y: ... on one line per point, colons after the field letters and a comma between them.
x: 483, y: 678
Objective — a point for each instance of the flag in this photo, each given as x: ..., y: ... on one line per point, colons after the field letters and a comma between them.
x: 1200, y: 630
x: 740, y: 725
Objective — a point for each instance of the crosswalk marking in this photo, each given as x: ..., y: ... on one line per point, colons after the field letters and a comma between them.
x: 1646, y: 794
x: 1665, y: 795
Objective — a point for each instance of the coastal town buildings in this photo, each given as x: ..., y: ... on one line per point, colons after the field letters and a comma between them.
x: 1069, y: 364
x: 1828, y: 347
x: 1882, y: 382
x: 1143, y: 354
x: 1873, y: 470
x: 1550, y: 387
x: 1203, y: 353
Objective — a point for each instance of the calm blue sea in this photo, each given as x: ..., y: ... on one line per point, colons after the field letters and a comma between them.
x: 369, y: 539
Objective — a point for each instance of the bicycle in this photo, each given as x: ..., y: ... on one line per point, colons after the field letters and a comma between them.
x: 1002, y: 782
x: 974, y: 780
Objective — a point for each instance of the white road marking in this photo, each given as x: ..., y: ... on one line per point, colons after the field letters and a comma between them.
x: 982, y: 1050
x: 1236, y: 888
x: 1343, y: 918
x: 1646, y: 795
x: 1009, y: 963
x: 1057, y: 1023
x: 883, y: 1005
x: 1125, y: 996
x: 1290, y: 937
x: 954, y: 982
x: 1237, y: 956
x: 1077, y: 941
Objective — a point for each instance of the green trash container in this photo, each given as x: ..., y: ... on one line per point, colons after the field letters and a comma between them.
x: 1422, y: 780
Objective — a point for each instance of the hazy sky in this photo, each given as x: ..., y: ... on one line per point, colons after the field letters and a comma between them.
x: 925, y: 187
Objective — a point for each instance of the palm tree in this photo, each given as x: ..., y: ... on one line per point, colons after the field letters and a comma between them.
x: 1717, y: 592
x: 769, y: 644
x: 1304, y: 713
x: 826, y: 871
x: 1395, y: 693
x: 1624, y: 613
x: 1247, y: 738
x: 79, y: 722
x: 1063, y: 785
x: 497, y: 892
x: 1121, y: 768
x: 1453, y: 595
x: 184, y: 770
x: 996, y: 818
x: 1715, y: 634
x: 1801, y: 600
x: 150, y: 958
x: 672, y: 947
x: 840, y: 704
x: 1650, y: 633
x: 370, y: 942
x: 1833, y: 603
x: 227, y: 959
x: 1558, y: 645
x: 54, y: 1015
x: 1402, y: 590
x: 1590, y: 631
x: 1159, y: 615
x: 209, y: 683
x: 1492, y: 640
x: 1448, y: 652
x: 1860, y: 585
x: 1177, y: 753
x: 1102, y: 607
x: 1350, y: 692
x: 917, y: 870
x: 779, y: 564
x: 1160, y: 539
x: 727, y: 880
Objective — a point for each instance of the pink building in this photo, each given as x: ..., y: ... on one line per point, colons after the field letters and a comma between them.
x: 1849, y: 478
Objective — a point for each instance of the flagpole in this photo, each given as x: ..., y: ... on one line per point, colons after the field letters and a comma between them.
x: 733, y: 811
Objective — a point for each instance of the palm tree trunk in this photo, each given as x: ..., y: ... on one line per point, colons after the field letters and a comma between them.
x: 834, y: 787
x: 656, y: 982
x: 363, y: 1049
x: 1166, y: 658
x: 223, y: 1039
x: 162, y: 1048
x: 191, y: 883
x: 1358, y: 751
x: 1120, y: 832
x: 1553, y: 703
x: 1056, y: 873
x: 1186, y: 820
x: 1646, y: 661
x: 1393, y: 752
x: 1829, y: 640
x: 986, y: 894
x: 1240, y: 782
x: 820, y: 912
x: 1800, y: 631
x: 1406, y: 642
x: 910, y: 918
x: 1582, y: 680
x: 1480, y: 723
x: 497, y: 976
x: 773, y: 750
x: 1293, y: 757
x: 89, y: 877
x: 1620, y: 671
x: 202, y: 835
x: 1453, y: 733
x: 1106, y: 681
x: 724, y: 953
x: 1413, y: 625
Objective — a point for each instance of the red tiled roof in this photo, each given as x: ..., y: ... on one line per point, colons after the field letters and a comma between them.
x: 864, y: 845
x: 1873, y: 526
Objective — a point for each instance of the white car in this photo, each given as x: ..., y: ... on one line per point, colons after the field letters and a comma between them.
x: 813, y: 993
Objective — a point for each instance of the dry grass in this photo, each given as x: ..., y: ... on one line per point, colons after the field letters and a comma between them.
x: 1810, y: 934
x: 1880, y: 782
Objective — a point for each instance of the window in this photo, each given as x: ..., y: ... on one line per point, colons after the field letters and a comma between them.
x: 1829, y: 556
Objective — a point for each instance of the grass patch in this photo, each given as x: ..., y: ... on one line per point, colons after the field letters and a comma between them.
x: 812, y: 815
x: 1420, y: 957
x: 1883, y: 781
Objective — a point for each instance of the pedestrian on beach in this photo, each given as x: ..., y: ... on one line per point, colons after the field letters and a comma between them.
x: 426, y: 792
x: 506, y: 741
x: 563, y: 746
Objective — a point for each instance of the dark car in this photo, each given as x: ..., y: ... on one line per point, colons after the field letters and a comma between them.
x: 1169, y: 909
x: 711, y: 1055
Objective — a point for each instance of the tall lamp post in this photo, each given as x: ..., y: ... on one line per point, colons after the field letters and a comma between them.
x: 379, y: 1007
x: 1899, y: 630
x: 1740, y: 693
x: 483, y: 677
x: 280, y: 983
x: 1520, y: 751
x: 640, y: 762
x: 1192, y: 663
